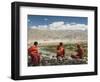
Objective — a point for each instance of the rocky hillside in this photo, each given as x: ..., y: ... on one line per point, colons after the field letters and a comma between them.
x: 39, y: 34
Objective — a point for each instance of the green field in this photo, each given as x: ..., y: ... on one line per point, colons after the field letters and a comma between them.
x: 69, y: 48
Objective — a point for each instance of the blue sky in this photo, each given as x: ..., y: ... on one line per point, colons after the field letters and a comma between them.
x: 35, y: 20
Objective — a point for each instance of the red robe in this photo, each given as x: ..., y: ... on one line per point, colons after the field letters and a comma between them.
x: 33, y: 52
x: 79, y: 54
x: 60, y: 52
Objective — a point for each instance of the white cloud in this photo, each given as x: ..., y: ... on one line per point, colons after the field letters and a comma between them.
x: 39, y: 27
x: 61, y: 26
x: 56, y: 25
x: 33, y: 27
x: 76, y: 26
x: 42, y: 27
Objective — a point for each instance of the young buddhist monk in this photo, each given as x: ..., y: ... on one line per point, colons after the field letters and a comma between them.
x: 60, y: 51
x: 79, y: 52
x: 33, y: 52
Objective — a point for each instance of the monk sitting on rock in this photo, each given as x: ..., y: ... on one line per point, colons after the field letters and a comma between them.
x: 60, y: 51
x: 79, y: 52
x: 33, y: 52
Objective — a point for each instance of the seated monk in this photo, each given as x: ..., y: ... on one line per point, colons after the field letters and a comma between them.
x: 33, y: 52
x: 79, y: 53
x: 60, y: 50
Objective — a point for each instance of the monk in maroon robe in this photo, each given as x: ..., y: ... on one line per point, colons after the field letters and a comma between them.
x: 79, y: 53
x: 60, y: 50
x: 33, y: 52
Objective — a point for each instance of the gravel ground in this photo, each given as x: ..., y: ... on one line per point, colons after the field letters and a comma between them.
x: 47, y: 61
